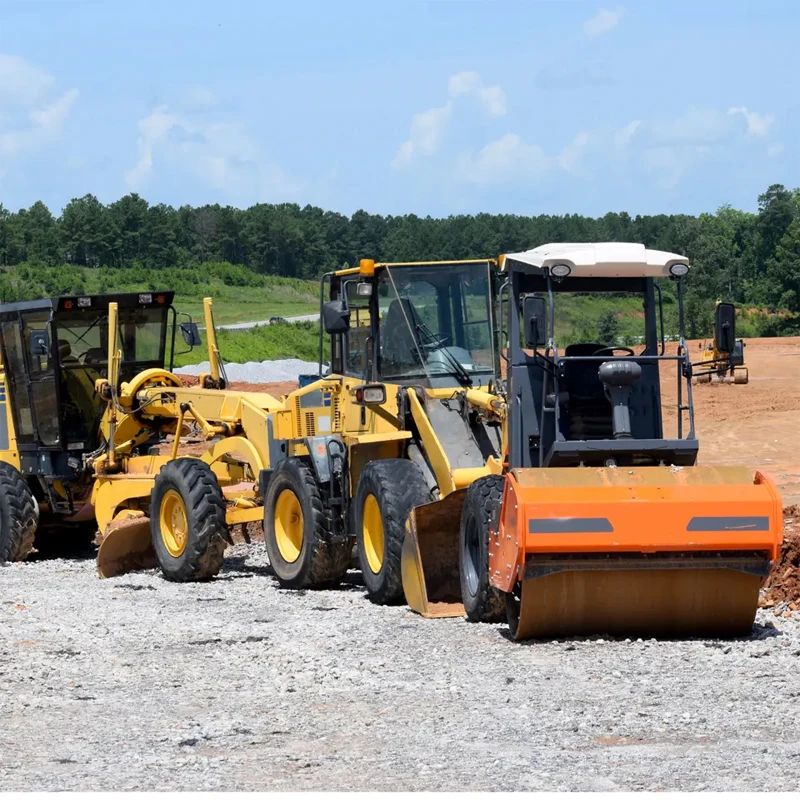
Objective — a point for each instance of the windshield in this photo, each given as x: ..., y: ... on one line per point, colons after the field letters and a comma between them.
x: 436, y: 321
x: 83, y: 355
x: 605, y: 320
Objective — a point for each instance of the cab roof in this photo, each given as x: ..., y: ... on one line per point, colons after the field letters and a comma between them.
x: 598, y: 260
x: 87, y: 302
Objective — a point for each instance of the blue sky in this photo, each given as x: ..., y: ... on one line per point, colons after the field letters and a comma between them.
x: 440, y: 107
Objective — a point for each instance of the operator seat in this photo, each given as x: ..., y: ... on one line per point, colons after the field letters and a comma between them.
x: 399, y: 338
x: 588, y: 415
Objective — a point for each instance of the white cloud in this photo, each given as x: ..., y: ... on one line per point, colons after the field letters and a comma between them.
x: 21, y: 82
x: 603, y: 21
x: 463, y: 83
x: 697, y: 125
x: 510, y: 158
x: 493, y: 100
x: 428, y: 128
x: 221, y: 154
x: 501, y: 158
x: 153, y: 129
x: 758, y: 125
x: 571, y: 154
x: 30, y: 121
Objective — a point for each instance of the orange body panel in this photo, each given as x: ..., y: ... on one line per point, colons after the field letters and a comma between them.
x: 639, y: 510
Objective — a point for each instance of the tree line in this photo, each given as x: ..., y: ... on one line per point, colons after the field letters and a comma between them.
x: 752, y: 259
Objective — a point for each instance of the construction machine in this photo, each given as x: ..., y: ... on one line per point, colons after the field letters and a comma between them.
x: 85, y: 407
x: 477, y: 465
x: 504, y: 476
x: 727, y: 364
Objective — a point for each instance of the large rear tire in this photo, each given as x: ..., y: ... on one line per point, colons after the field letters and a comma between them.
x: 19, y: 515
x: 387, y: 491
x: 482, y: 601
x: 187, y: 521
x: 297, y: 531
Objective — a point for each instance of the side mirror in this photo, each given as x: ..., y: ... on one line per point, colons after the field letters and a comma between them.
x: 534, y: 317
x: 40, y: 343
x: 336, y: 316
x: 725, y: 327
x: 191, y: 334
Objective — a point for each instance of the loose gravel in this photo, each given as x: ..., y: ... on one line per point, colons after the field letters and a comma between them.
x: 136, y: 683
x: 287, y: 369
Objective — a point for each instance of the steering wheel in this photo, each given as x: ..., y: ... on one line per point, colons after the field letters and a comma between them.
x: 611, y: 350
x: 441, y: 341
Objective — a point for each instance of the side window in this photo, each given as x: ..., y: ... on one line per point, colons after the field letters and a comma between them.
x: 358, y: 343
x: 38, y: 357
x: 15, y: 375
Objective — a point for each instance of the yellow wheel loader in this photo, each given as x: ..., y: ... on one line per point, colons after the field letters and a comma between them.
x: 727, y: 363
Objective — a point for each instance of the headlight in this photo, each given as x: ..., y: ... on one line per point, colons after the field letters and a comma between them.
x: 678, y: 270
x: 560, y: 270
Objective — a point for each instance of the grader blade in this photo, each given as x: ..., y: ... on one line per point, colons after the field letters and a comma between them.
x: 429, y: 563
x: 126, y: 546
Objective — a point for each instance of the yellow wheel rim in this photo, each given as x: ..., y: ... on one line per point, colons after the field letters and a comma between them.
x: 174, y: 523
x: 288, y: 520
x: 373, y: 534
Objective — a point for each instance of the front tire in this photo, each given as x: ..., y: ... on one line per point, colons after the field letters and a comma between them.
x: 187, y: 521
x: 19, y: 515
x: 387, y: 491
x: 297, y: 531
x: 480, y: 514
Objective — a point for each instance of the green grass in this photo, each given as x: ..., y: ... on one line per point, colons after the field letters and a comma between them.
x: 265, y: 343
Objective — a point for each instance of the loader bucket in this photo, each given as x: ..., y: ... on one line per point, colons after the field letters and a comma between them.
x: 126, y: 546
x: 429, y: 563
x: 649, y: 551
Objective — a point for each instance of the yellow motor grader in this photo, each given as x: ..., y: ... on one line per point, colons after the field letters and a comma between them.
x: 85, y: 406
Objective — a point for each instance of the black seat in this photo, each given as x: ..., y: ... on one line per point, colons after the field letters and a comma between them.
x: 588, y: 415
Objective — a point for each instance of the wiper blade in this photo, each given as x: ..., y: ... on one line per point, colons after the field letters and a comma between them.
x: 459, y: 368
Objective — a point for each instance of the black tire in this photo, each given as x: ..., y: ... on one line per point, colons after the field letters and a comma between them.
x: 397, y: 485
x: 479, y: 517
x: 206, y: 529
x: 319, y: 562
x: 19, y: 515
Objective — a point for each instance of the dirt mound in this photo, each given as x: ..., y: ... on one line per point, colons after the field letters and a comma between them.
x: 783, y: 583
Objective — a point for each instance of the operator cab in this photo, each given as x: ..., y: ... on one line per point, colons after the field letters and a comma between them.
x: 53, y: 352
x: 416, y: 323
x: 596, y: 393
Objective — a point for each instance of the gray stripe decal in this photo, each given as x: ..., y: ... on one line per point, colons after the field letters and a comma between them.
x: 714, y: 524
x: 570, y: 525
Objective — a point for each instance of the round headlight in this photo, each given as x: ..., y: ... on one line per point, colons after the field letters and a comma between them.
x: 560, y: 270
x: 678, y: 270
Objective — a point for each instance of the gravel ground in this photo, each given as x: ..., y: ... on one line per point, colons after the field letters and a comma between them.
x: 286, y: 369
x: 135, y: 683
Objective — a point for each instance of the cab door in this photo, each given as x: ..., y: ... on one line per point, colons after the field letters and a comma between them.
x: 357, y: 357
x: 42, y: 361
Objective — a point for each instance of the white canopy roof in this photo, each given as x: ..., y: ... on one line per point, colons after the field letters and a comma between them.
x: 602, y: 259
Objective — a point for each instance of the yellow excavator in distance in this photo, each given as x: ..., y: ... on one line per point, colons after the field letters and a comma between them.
x: 725, y: 364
